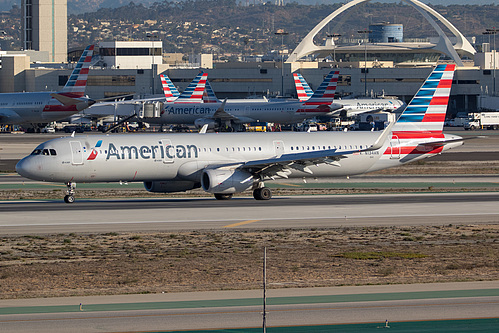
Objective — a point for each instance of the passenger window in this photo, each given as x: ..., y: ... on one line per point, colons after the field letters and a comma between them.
x: 53, y: 152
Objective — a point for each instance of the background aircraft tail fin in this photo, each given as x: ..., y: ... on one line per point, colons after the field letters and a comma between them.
x: 303, y: 90
x: 324, y: 95
x: 169, y: 88
x: 75, y: 87
x: 427, y: 109
x: 194, y: 91
x: 209, y: 95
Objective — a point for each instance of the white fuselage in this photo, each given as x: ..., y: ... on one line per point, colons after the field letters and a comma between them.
x: 361, y: 105
x: 32, y: 108
x: 286, y: 112
x: 151, y: 157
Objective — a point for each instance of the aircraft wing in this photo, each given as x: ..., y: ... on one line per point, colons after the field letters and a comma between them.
x: 281, y: 165
x: 8, y: 116
x: 222, y: 114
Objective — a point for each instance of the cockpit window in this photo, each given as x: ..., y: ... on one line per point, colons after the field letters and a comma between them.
x: 46, y: 152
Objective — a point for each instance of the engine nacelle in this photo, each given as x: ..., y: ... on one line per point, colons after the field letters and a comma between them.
x: 200, y: 122
x: 169, y: 186
x: 225, y: 181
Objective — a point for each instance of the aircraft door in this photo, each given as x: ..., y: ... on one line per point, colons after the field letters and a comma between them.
x: 168, y: 151
x: 395, y: 147
x: 278, y: 148
x: 76, y: 152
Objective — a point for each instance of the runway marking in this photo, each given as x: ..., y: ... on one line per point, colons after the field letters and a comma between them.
x: 289, y: 184
x: 333, y: 218
x: 240, y: 223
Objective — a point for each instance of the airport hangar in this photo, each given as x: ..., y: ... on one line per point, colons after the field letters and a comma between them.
x: 394, y: 68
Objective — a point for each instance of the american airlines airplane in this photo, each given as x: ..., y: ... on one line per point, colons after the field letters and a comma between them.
x: 37, y: 108
x: 229, y: 163
x: 217, y: 114
x: 132, y: 107
x: 349, y: 107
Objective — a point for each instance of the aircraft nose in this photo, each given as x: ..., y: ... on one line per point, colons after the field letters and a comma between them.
x: 27, y: 168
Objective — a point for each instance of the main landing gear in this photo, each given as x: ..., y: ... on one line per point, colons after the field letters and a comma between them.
x: 261, y: 193
x: 69, y: 197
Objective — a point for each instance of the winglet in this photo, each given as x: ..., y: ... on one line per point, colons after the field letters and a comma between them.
x: 380, y: 141
x: 203, y: 129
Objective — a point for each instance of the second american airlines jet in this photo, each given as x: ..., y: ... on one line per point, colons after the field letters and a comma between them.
x: 349, y: 106
x: 36, y: 108
x: 225, y: 114
x: 229, y: 163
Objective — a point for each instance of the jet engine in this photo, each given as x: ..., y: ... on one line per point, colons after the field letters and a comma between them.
x: 169, y: 186
x: 200, y: 122
x: 225, y: 181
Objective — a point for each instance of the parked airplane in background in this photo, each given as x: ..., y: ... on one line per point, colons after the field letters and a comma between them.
x: 218, y: 114
x: 228, y: 163
x: 127, y: 108
x: 38, y: 108
x: 350, y: 107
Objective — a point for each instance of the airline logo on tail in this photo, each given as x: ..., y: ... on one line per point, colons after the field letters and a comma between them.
x: 194, y: 92
x: 209, y: 95
x: 302, y: 88
x: 426, y: 111
x: 75, y: 87
x: 169, y: 89
x: 323, y: 97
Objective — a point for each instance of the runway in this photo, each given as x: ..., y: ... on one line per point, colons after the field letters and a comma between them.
x: 49, y: 216
x: 243, y: 309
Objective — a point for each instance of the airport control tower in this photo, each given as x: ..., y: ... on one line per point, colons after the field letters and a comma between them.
x: 45, y: 27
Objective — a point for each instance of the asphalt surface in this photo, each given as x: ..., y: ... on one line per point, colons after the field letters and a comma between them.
x: 49, y: 216
x: 238, y: 309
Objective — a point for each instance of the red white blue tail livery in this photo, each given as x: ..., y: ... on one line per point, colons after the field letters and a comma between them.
x: 303, y: 90
x: 194, y: 91
x: 169, y: 89
x: 75, y: 87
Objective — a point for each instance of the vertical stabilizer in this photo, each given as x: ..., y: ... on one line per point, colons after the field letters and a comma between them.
x: 209, y: 95
x: 77, y: 82
x: 303, y: 90
x: 169, y: 89
x: 194, y: 92
x: 427, y: 109
x: 324, y: 95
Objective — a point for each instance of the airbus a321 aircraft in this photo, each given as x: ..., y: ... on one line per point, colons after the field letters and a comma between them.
x: 229, y: 163
x: 218, y: 114
x: 37, y: 108
x: 349, y: 106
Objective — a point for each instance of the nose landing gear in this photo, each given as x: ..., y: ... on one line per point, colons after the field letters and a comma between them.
x: 69, y: 197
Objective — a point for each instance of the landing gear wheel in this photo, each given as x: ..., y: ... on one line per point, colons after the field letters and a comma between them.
x: 220, y: 196
x: 263, y: 193
x: 69, y: 197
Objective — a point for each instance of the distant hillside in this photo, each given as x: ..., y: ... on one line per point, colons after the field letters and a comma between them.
x: 84, y: 6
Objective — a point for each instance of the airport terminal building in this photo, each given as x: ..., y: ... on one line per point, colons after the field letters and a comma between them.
x: 379, y: 64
